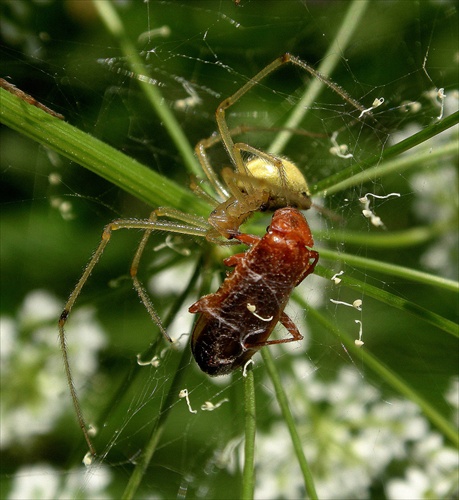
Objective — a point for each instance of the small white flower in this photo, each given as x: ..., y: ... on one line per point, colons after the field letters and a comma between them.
x: 412, y: 486
x: 44, y: 481
x: 351, y: 436
x: 33, y: 379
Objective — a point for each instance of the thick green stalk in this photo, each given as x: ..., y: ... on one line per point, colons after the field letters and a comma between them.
x: 114, y: 25
x: 248, y: 475
x: 291, y: 424
x: 97, y: 156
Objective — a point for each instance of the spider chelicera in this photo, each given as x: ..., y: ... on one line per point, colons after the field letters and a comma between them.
x: 263, y: 182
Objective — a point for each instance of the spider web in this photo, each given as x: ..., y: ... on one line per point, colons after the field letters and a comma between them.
x: 197, y: 54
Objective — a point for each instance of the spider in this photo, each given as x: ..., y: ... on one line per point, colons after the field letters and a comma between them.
x: 263, y: 182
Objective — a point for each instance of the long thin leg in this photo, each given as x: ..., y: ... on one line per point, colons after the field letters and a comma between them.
x: 200, y: 150
x: 233, y: 152
x: 148, y: 226
x: 138, y: 285
x: 161, y: 211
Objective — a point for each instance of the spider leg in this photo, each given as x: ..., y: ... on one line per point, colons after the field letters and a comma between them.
x: 142, y: 293
x: 192, y: 225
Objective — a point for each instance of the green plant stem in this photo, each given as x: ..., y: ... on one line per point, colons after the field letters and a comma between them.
x: 171, y: 397
x: 398, y: 165
x: 97, y: 156
x: 387, y: 375
x: 391, y: 269
x: 114, y: 25
x: 248, y: 475
x: 393, y: 239
x: 334, y: 53
x: 289, y: 420
x: 157, y: 190
x: 380, y: 165
x: 394, y: 301
x: 147, y: 453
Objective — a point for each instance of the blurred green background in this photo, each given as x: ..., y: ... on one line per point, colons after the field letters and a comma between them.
x: 61, y: 54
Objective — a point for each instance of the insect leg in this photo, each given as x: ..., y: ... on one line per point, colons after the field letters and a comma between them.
x: 247, y: 239
x: 310, y: 268
x: 289, y: 325
x: 233, y: 260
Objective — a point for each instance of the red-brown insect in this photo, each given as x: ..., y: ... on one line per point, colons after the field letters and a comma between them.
x: 237, y: 320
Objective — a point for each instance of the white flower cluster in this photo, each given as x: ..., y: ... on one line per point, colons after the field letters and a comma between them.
x: 44, y: 481
x: 436, y: 189
x: 351, y: 436
x: 438, y: 203
x: 33, y: 384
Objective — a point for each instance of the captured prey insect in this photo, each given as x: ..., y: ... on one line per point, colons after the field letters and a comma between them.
x: 259, y: 181
x: 237, y: 320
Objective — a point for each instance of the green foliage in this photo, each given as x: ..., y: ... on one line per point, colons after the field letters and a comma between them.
x: 131, y: 122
